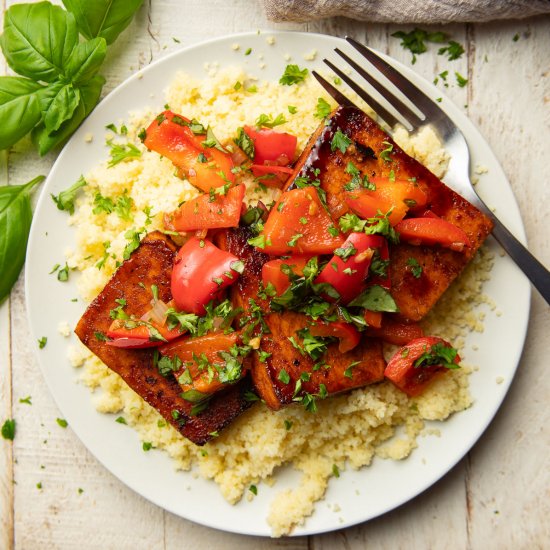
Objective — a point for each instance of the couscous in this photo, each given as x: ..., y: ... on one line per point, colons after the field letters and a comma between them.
x: 347, y: 430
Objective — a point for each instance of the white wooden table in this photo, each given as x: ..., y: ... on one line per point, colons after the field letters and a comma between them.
x: 497, y: 497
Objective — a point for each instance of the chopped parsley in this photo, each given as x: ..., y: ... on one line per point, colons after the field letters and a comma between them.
x: 121, y: 420
x: 385, y: 153
x: 267, y: 121
x: 380, y: 225
x: 133, y: 236
x: 65, y: 199
x: 460, y: 80
x: 323, y: 109
x: 102, y: 204
x: 416, y: 268
x: 259, y: 241
x: 440, y: 355
x: 212, y: 141
x: 121, y: 152
x: 283, y: 376
x: 26, y: 400
x: 42, y: 342
x: 62, y: 422
x: 357, y: 180
x: 167, y: 365
x: 453, y: 50
x: 123, y: 207
x: 348, y: 372
x: 8, y: 429
x: 294, y: 239
x: 293, y: 75
x: 63, y: 274
x: 292, y: 109
x: 340, y: 141
x: 101, y: 262
x: 245, y: 142
x: 415, y: 40
x: 345, y: 252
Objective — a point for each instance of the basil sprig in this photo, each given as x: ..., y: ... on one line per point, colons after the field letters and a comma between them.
x: 59, y: 85
x: 15, y: 224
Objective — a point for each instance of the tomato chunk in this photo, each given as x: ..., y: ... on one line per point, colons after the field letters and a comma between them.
x: 348, y: 269
x: 430, y: 231
x: 139, y: 334
x: 210, y: 211
x: 299, y: 224
x: 396, y: 332
x: 203, y: 367
x: 205, y: 167
x: 272, y: 272
x: 271, y: 175
x: 271, y: 145
x: 201, y: 272
x: 397, y: 196
x: 415, y: 365
x: 373, y: 318
x: 347, y: 334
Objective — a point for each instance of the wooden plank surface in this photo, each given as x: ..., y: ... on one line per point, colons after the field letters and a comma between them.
x: 496, y: 498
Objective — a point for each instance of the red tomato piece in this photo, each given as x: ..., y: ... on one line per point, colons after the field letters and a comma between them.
x: 396, y: 332
x: 411, y: 379
x: 203, y: 347
x: 271, y: 145
x: 373, y: 318
x: 272, y: 273
x: 271, y: 175
x: 430, y: 231
x: 201, y: 272
x: 397, y: 196
x: 347, y: 334
x: 204, y: 167
x: 347, y: 273
x: 140, y: 336
x: 210, y: 211
x: 299, y: 224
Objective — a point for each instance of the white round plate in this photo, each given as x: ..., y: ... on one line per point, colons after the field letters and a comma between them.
x: 383, y: 486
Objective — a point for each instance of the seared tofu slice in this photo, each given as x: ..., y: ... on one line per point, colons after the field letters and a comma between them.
x: 151, y: 264
x: 287, y: 374
x: 414, y: 297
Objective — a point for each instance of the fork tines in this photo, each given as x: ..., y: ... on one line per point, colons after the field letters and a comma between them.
x: 368, y: 73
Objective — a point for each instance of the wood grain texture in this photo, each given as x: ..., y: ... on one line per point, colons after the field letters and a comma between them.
x: 498, y: 497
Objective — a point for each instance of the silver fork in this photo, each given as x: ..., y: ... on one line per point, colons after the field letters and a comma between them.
x: 457, y: 175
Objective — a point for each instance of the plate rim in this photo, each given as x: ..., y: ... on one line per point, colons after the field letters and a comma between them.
x: 519, y: 231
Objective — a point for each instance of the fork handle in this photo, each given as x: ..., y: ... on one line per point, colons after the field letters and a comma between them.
x: 531, y: 267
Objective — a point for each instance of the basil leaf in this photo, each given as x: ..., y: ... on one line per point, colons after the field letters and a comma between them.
x: 375, y: 298
x: 105, y: 18
x: 15, y: 224
x: 38, y: 40
x: 59, y: 102
x: 85, y: 60
x: 194, y: 396
x: 89, y: 96
x: 19, y: 108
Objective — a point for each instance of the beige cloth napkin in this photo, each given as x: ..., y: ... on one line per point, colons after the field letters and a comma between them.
x: 405, y: 11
